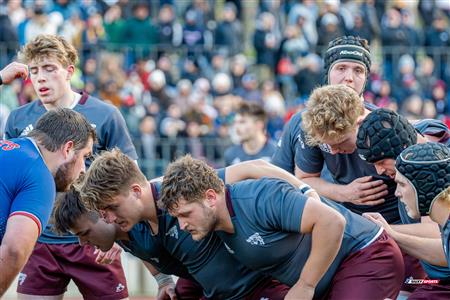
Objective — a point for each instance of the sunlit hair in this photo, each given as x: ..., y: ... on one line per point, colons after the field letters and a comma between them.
x: 331, y: 112
x: 188, y: 178
x: 49, y: 46
x: 111, y: 174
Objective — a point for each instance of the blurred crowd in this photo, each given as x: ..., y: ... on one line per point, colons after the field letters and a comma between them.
x: 179, y: 69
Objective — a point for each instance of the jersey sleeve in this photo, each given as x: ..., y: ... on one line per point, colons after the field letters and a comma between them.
x: 228, y: 156
x: 282, y: 205
x: 117, y: 135
x: 221, y: 174
x: 36, y: 197
x: 283, y: 156
x: 10, y: 132
x: 308, y: 159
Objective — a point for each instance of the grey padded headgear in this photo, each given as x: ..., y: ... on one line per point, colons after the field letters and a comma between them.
x: 427, y: 167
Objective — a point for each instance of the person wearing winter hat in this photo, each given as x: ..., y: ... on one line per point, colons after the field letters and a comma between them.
x: 347, y: 61
x: 423, y: 185
x: 325, y: 135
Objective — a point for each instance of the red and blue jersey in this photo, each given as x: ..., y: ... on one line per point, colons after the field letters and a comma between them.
x: 27, y: 186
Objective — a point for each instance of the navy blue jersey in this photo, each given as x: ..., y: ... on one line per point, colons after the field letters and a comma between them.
x: 445, y: 231
x: 266, y: 216
x: 27, y: 186
x: 236, y: 154
x: 208, y: 261
x: 344, y: 168
x: 109, y: 125
x: 144, y: 245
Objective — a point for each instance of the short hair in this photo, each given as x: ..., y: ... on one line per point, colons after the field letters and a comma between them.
x: 111, y: 174
x: 331, y: 112
x: 47, y: 45
x: 187, y: 178
x: 69, y: 209
x: 252, y: 109
x: 58, y: 126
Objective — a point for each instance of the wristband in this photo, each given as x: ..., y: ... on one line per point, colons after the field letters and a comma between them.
x: 1, y: 80
x: 163, y: 279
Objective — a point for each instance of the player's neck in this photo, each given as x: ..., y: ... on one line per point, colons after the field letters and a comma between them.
x: 122, y: 235
x: 224, y: 222
x: 66, y: 101
x: 52, y: 159
x: 150, y: 209
x: 254, y: 145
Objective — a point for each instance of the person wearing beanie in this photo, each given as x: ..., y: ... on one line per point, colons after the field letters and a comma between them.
x: 347, y: 61
x: 423, y: 185
x: 324, y: 135
x: 384, y: 134
x: 328, y: 137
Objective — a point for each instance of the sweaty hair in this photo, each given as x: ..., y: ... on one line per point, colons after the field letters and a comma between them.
x: 46, y: 46
x: 59, y: 126
x: 254, y: 110
x: 69, y: 209
x: 111, y: 174
x: 187, y: 178
x: 331, y: 112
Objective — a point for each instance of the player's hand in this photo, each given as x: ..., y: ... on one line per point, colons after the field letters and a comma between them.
x: 300, y: 291
x: 12, y: 71
x: 364, y: 191
x: 167, y: 292
x: 380, y: 221
x: 106, y: 258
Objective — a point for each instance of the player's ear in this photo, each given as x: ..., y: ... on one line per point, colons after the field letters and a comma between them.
x: 67, y: 149
x: 211, y: 197
x: 137, y: 190
x: 70, y: 71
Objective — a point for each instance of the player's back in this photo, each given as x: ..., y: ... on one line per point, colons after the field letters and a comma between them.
x: 23, y: 175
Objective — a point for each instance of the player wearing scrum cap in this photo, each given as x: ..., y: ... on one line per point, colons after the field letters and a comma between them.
x: 423, y: 181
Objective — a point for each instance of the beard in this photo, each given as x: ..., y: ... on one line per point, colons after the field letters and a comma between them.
x: 63, y: 177
x: 208, y: 225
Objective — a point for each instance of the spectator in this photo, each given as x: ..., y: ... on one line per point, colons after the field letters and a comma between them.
x: 250, y: 125
x: 266, y: 41
x: 169, y: 30
x: 140, y: 33
x: 437, y: 38
x: 229, y: 33
x: 158, y: 89
x: 115, y: 27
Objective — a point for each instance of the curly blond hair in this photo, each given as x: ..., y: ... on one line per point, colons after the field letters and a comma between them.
x: 49, y: 46
x: 188, y: 178
x: 331, y: 112
x: 111, y: 174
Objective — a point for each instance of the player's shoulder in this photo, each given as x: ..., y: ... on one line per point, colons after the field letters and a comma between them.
x: 26, y: 109
x: 94, y: 104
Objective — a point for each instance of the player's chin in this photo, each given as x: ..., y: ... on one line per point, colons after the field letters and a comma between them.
x: 197, y: 236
